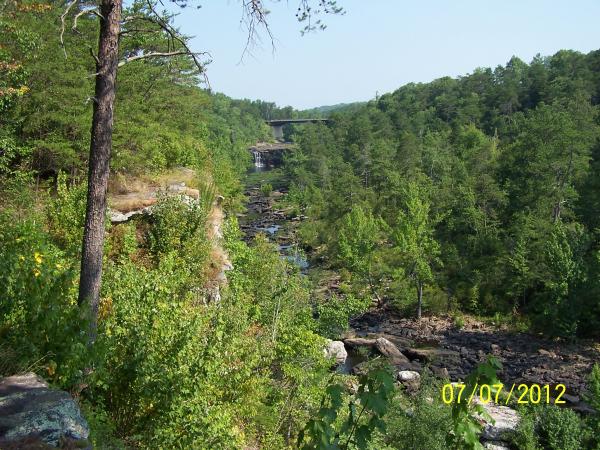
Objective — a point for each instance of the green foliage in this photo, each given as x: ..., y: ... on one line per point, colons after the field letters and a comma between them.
x: 483, y: 188
x: 459, y: 321
x: 11, y: 154
x: 486, y: 186
x: 358, y: 239
x: 414, y: 240
x: 551, y: 427
x: 526, y: 437
x: 466, y: 425
x: 66, y: 215
x: 365, y: 414
x: 103, y: 432
x: 266, y: 189
x: 176, y: 223
x: 335, y: 312
x: 563, y: 272
x: 420, y: 422
x: 559, y: 428
x: 40, y: 321
x: 593, y: 398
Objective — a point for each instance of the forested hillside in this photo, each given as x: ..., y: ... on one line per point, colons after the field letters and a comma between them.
x: 477, y: 194
x: 466, y: 201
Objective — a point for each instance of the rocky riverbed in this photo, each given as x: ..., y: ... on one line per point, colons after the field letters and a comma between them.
x: 278, y: 224
x: 526, y: 358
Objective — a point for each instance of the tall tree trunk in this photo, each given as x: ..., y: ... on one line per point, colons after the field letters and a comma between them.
x: 419, y: 299
x: 100, y: 148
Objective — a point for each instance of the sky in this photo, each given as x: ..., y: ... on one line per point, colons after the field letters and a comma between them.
x: 379, y: 45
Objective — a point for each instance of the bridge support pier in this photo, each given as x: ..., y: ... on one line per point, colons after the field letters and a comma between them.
x: 277, y: 132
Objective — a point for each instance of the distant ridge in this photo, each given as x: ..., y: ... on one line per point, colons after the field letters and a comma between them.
x: 328, y: 109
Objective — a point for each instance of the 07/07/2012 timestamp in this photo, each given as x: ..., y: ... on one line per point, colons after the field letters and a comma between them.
x: 500, y: 393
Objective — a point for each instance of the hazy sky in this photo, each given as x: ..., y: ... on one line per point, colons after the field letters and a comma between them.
x: 379, y: 45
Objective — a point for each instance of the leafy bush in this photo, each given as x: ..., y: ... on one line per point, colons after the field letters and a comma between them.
x: 526, y: 437
x: 39, y: 317
x: 366, y: 410
x: 122, y: 241
x: 66, y: 215
x: 176, y: 374
x: 266, y: 189
x: 421, y: 422
x: 175, y: 223
x: 466, y: 425
x: 335, y: 313
x: 593, y: 398
x: 559, y: 428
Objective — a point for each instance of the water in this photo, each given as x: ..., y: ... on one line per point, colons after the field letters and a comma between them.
x: 272, y: 229
x: 290, y: 253
x: 294, y: 256
x: 353, y: 359
x: 258, y: 162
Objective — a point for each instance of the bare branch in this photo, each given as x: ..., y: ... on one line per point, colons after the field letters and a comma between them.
x: 62, y: 24
x: 83, y: 12
x: 94, y: 56
x: 136, y: 30
x: 176, y: 37
x: 152, y: 55
x: 254, y: 16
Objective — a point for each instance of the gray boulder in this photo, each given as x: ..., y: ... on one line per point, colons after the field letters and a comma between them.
x: 29, y: 409
x: 408, y: 375
x: 505, y: 423
x: 490, y: 445
x: 336, y: 350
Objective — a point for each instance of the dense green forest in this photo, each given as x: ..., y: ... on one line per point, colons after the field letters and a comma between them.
x: 478, y: 195
x: 166, y: 370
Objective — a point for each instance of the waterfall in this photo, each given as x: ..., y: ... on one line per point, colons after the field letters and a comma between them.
x: 257, y: 159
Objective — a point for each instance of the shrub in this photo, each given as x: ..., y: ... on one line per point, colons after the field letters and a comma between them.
x: 420, y: 423
x: 40, y: 321
x: 335, y: 313
x: 559, y: 429
x: 593, y: 398
x: 175, y: 223
x: 266, y: 189
x: 526, y: 437
x: 66, y: 215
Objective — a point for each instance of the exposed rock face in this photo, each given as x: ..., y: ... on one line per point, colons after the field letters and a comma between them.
x: 336, y: 349
x: 119, y: 217
x: 270, y: 154
x: 29, y: 409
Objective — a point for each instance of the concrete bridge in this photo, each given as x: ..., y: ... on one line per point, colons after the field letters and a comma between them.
x: 277, y: 125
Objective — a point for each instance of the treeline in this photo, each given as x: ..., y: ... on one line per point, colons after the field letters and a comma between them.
x: 162, y: 118
x: 479, y: 194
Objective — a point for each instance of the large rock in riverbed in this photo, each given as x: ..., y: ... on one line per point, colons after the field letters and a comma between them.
x: 505, y: 422
x: 387, y: 349
x: 336, y: 349
x: 30, y: 411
